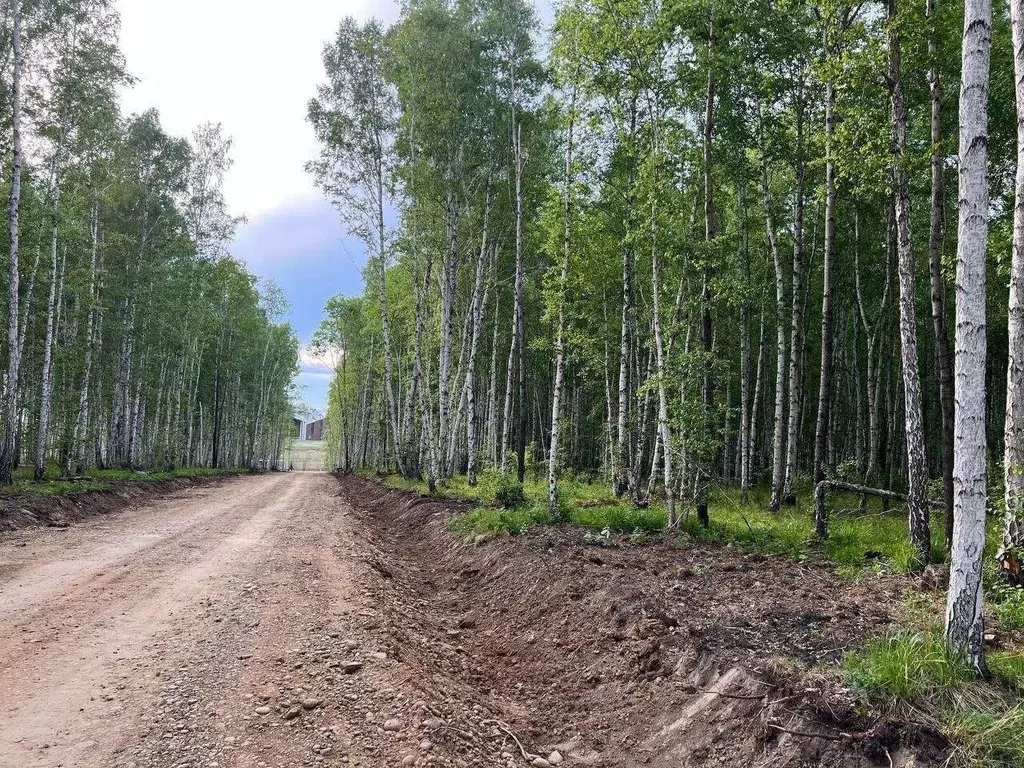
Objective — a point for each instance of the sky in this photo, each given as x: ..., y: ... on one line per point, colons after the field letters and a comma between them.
x: 253, y: 65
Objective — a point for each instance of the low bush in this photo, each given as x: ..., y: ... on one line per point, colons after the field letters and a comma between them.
x: 510, y: 494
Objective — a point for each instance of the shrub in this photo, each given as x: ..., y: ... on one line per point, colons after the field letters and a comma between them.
x: 510, y: 494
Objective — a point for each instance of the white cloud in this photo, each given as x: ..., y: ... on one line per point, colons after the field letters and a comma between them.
x: 249, y: 64
x: 317, y: 362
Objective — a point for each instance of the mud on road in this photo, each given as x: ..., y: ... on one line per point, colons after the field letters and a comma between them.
x: 299, y: 620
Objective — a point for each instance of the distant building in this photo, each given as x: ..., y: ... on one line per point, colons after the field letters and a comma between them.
x: 315, y: 430
x: 308, y: 423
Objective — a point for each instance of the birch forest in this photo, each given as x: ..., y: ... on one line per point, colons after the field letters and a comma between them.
x: 133, y: 340
x: 691, y: 250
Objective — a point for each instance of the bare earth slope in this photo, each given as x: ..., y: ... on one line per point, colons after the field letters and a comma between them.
x: 264, y: 621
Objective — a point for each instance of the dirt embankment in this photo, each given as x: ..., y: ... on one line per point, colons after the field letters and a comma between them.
x: 23, y: 510
x: 542, y: 648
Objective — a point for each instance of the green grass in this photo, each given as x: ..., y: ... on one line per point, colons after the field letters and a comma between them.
x: 859, y: 543
x: 905, y: 666
x: 54, y: 484
x: 914, y: 675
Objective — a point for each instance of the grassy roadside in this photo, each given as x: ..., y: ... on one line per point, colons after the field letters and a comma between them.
x: 906, y: 672
x: 859, y: 543
x: 54, y: 484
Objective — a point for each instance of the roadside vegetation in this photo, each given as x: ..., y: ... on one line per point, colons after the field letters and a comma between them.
x: 57, y: 483
x: 867, y: 541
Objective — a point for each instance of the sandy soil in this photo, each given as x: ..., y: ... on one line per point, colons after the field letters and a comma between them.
x: 157, y: 636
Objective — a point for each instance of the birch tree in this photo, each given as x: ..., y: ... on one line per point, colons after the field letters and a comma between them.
x: 1009, y: 555
x: 964, y: 625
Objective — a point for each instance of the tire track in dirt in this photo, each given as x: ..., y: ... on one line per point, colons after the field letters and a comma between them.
x: 81, y: 637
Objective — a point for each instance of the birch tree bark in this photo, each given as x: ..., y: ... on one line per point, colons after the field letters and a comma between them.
x: 477, y: 305
x: 13, y: 351
x: 917, y: 468
x: 779, y: 419
x: 828, y: 279
x: 964, y: 624
x: 796, y: 336
x: 77, y: 453
x: 744, y: 433
x: 1009, y: 555
x: 707, y: 291
x: 556, y: 396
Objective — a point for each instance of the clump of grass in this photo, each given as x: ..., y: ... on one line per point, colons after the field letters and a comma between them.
x: 1007, y: 603
x: 916, y: 675
x: 486, y: 520
x: 621, y: 518
x: 905, y: 666
x: 1007, y: 667
x: 984, y: 728
x: 55, y: 483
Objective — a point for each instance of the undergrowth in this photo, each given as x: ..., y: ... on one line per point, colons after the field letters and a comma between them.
x: 54, y: 483
x: 860, y: 543
x: 914, y: 675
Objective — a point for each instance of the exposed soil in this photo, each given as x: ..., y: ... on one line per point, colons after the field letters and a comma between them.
x: 264, y: 621
x: 629, y: 655
x: 23, y: 510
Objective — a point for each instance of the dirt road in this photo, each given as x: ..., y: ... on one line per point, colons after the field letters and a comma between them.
x: 211, y: 628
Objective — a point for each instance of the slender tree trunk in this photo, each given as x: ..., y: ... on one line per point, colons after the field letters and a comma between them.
x: 1012, y: 545
x: 556, y: 397
x: 917, y: 466
x: 621, y: 465
x: 755, y: 406
x: 385, y: 326
x: 448, y: 281
x: 828, y: 280
x: 940, y: 318
x: 744, y: 441
x: 492, y: 392
x: 964, y: 624
x: 707, y: 291
x: 13, y: 352
x: 779, y: 420
x: 477, y: 306
x: 77, y: 453
x: 46, y: 384
x: 796, y: 336
x: 520, y: 308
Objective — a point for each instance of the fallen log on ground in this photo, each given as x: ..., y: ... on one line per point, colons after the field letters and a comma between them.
x: 821, y: 511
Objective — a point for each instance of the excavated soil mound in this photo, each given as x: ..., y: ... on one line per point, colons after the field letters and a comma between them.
x: 60, y: 510
x: 544, y: 648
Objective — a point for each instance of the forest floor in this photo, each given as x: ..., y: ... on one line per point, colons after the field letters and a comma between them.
x: 301, y: 620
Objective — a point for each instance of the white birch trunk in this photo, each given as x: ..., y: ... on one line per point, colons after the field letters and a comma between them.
x: 964, y: 625
x: 477, y: 306
x: 917, y: 469
x: 13, y: 351
x: 1013, y: 460
x: 556, y: 397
